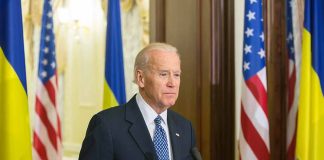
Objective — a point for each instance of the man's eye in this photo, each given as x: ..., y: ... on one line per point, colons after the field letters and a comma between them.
x: 163, y: 74
x: 177, y: 75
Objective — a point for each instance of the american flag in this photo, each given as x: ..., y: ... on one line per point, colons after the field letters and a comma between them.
x: 47, y: 126
x: 254, y: 134
x: 292, y: 100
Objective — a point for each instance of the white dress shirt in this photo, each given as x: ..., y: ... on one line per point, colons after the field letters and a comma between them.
x: 149, y: 115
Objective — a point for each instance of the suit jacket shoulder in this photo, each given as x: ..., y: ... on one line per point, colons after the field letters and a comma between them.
x: 98, y: 141
x: 118, y: 133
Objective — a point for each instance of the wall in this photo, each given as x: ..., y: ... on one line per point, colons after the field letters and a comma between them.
x: 80, y: 47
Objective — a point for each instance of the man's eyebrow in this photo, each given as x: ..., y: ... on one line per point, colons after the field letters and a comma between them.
x: 162, y: 70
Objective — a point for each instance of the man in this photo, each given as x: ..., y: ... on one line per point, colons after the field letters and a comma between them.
x: 144, y: 128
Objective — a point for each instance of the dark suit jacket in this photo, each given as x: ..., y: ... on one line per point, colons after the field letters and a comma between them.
x: 121, y: 133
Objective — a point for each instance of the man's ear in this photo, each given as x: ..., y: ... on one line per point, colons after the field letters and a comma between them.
x: 140, y: 78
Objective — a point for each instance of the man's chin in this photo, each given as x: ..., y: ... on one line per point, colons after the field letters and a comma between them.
x: 169, y: 104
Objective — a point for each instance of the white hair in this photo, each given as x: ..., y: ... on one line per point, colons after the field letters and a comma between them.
x: 142, y: 57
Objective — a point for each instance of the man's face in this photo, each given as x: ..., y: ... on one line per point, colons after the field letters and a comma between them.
x: 160, y: 80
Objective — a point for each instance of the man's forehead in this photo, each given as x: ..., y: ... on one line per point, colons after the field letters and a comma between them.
x: 158, y: 53
x: 166, y: 66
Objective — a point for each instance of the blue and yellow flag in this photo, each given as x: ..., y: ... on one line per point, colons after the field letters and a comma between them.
x: 15, y: 141
x: 310, y: 131
x: 114, y: 87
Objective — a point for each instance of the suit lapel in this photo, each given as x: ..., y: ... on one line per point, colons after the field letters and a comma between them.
x: 175, y: 135
x: 138, y: 129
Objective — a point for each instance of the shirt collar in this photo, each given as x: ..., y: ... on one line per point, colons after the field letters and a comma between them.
x: 148, y: 112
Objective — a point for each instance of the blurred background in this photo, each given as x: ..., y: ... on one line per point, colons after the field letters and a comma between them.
x: 234, y: 116
x: 80, y: 41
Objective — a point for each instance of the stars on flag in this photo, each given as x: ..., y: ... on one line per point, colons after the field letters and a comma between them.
x: 292, y: 50
x: 44, y: 74
x: 246, y: 66
x: 247, y: 49
x: 49, y: 14
x: 261, y: 53
x: 251, y: 15
x: 47, y: 38
x: 290, y: 37
x: 47, y: 64
x: 53, y: 65
x: 249, y: 32
x: 262, y: 36
x: 50, y: 3
x: 254, y: 53
x: 291, y: 3
x: 253, y: 1
x: 45, y: 50
x: 48, y: 26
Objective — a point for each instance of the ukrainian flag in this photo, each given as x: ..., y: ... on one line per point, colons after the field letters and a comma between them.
x: 15, y: 141
x: 310, y: 131
x: 114, y: 87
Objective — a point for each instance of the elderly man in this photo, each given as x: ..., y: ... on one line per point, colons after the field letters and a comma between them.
x: 144, y: 127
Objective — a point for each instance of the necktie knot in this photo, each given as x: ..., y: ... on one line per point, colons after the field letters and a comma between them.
x: 157, y: 120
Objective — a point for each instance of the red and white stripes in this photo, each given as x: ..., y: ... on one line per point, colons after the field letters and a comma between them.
x: 293, y: 82
x: 254, y: 135
x: 292, y: 111
x: 47, y: 126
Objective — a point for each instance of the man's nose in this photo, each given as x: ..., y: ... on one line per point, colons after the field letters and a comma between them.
x: 171, y: 81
